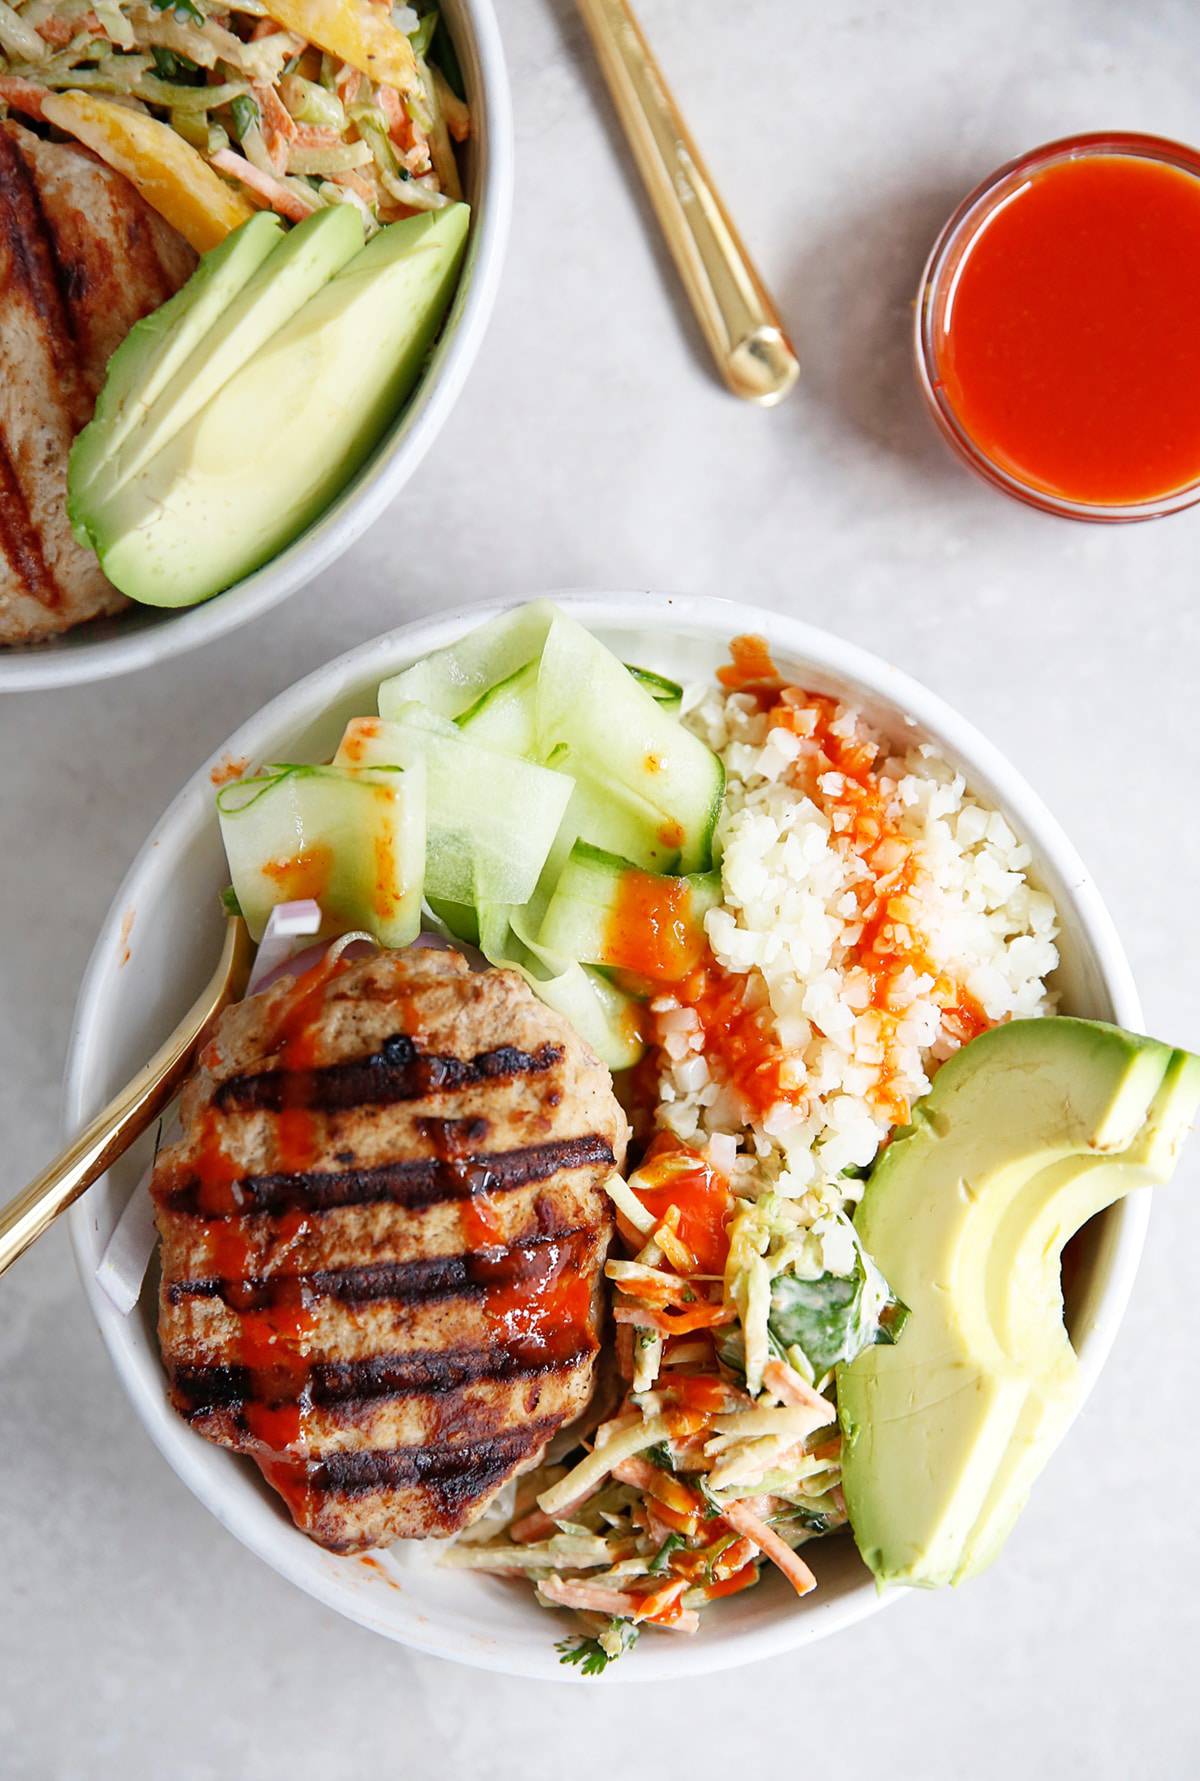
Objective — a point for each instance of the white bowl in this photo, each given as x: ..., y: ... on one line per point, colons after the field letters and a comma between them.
x: 168, y: 916
x: 143, y: 635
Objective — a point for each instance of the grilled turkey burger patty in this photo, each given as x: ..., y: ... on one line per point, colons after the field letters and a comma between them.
x: 82, y: 258
x: 383, y: 1235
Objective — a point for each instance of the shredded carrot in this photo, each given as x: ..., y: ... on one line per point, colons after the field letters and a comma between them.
x: 790, y: 1388
x: 695, y: 1391
x: 742, y: 1518
x: 700, y: 1317
x: 275, y: 114
x: 675, y: 1522
x: 569, y: 1593
x: 314, y: 136
x: 59, y: 32
x: 676, y: 1620
x: 277, y: 195
x: 682, y: 1422
x: 743, y: 1579
x: 658, y: 1484
x: 537, y: 1525
x: 354, y: 181
x: 655, y: 1287
x: 22, y: 95
x: 659, y: 1602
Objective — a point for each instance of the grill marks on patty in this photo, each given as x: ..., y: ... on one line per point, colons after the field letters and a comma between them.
x: 411, y: 1282
x: 82, y: 258
x: 383, y: 1236
x: 398, y: 1071
x: 423, y: 1181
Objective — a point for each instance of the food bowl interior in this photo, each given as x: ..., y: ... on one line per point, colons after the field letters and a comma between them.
x: 159, y: 945
x: 143, y: 635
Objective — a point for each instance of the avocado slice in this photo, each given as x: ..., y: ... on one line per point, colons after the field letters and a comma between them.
x: 1028, y: 1132
x: 276, y: 441
x: 159, y: 345
x: 302, y: 261
x: 1029, y: 1308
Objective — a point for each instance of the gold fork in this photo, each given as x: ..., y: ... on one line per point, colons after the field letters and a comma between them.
x: 128, y: 1114
x: 733, y: 306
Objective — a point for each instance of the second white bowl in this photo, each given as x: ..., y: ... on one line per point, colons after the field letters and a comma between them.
x: 158, y: 947
x: 144, y: 635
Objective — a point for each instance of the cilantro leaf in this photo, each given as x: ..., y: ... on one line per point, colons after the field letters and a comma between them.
x: 835, y: 1317
x: 591, y: 1655
x: 658, y: 1563
x: 245, y: 114
x: 183, y: 9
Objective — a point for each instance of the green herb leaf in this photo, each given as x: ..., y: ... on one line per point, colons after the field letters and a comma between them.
x: 443, y: 52
x: 422, y: 37
x: 229, y: 901
x: 714, y: 1508
x: 182, y: 8
x: 658, y: 1563
x: 720, y: 1547
x: 834, y: 1318
x: 812, y: 1520
x: 591, y: 1655
x: 731, y: 1348
x: 170, y: 65
x: 245, y: 113
x: 659, y: 1455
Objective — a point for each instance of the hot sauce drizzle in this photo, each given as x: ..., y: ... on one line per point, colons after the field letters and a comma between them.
x: 674, y: 1174
x: 272, y: 1328
x: 839, y: 767
x: 651, y: 931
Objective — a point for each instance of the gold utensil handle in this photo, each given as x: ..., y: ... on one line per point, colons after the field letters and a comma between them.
x: 740, y: 322
x: 126, y: 1117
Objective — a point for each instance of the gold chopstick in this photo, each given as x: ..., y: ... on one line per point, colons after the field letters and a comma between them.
x: 735, y: 311
x: 127, y: 1116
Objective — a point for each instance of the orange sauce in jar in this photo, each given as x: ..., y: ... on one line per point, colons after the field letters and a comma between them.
x: 1064, y: 339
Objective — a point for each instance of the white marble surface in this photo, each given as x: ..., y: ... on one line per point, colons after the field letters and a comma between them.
x: 593, y: 448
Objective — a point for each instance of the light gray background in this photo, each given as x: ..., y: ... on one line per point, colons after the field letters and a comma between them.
x: 593, y: 449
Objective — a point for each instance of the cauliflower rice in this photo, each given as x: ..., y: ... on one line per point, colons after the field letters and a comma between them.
x: 806, y: 873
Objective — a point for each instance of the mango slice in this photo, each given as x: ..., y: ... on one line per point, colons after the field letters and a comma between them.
x: 357, y: 32
x: 166, y: 170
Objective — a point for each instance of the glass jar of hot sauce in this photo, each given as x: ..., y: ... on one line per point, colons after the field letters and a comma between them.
x: 1058, y: 328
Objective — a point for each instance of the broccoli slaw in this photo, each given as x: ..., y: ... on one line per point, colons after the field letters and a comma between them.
x: 296, y: 107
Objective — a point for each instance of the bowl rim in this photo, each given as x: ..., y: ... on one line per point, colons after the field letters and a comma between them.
x: 826, y: 654
x: 37, y: 667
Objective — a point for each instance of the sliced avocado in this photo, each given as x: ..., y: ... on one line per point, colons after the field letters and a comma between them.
x: 305, y: 260
x: 1026, y: 1280
x: 161, y: 343
x: 271, y: 448
x: 1028, y: 1132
